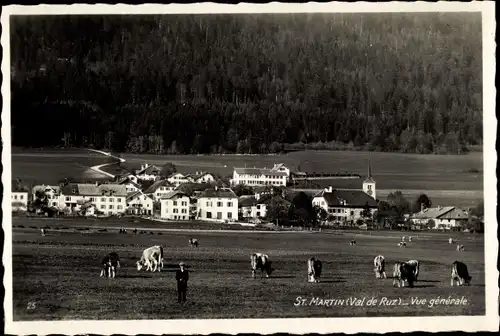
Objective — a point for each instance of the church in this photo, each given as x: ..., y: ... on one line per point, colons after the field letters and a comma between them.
x: 348, y: 205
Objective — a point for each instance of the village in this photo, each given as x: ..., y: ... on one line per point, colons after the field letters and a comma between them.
x: 251, y: 197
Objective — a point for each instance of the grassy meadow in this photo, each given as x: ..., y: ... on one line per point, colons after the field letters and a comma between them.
x: 56, y: 277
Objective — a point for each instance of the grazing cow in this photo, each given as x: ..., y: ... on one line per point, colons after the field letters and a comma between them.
x: 262, y: 262
x: 403, y: 272
x: 415, y: 265
x: 43, y: 231
x: 403, y: 238
x: 314, y: 267
x: 460, y: 248
x: 402, y: 244
x: 460, y: 273
x: 450, y: 240
x: 409, y: 239
x: 379, y: 263
x: 193, y: 242
x: 353, y: 242
x: 152, y: 256
x: 110, y: 263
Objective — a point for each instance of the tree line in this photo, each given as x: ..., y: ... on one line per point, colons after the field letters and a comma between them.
x: 222, y: 83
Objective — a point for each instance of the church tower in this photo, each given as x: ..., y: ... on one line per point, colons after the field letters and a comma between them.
x: 369, y: 183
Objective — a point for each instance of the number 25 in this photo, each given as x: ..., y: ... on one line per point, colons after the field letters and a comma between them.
x: 31, y: 305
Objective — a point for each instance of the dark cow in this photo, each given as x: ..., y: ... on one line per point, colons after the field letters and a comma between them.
x: 379, y: 267
x: 110, y: 263
x: 460, y: 273
x: 314, y: 267
x: 402, y: 244
x: 193, y: 242
x: 403, y: 272
x: 262, y: 262
x: 415, y: 265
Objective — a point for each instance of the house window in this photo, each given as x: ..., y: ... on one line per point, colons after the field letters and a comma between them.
x: 352, y: 213
x: 54, y: 203
x: 119, y: 207
x: 229, y: 215
x: 183, y: 211
x: 209, y: 214
x: 176, y: 210
x: 258, y: 206
x: 175, y: 203
x: 118, y: 199
x: 219, y: 204
x: 110, y: 207
x: 68, y: 199
x: 103, y: 206
x: 184, y: 203
x: 219, y: 215
x: 111, y: 199
x: 21, y: 197
x: 102, y: 199
x: 15, y: 197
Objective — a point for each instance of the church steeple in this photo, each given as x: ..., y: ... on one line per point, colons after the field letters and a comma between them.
x: 369, y: 183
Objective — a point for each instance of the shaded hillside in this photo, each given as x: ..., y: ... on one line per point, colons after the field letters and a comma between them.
x: 248, y: 83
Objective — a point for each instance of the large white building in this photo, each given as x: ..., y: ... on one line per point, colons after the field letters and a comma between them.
x: 139, y: 204
x: 176, y: 205
x: 440, y: 218
x: 217, y: 204
x: 19, y: 199
x: 276, y: 176
x: 110, y: 199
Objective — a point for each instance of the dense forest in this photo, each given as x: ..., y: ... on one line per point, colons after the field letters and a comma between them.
x: 248, y: 83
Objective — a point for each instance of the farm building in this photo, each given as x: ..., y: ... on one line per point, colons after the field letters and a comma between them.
x: 19, y: 199
x: 276, y: 176
x: 130, y: 184
x: 139, y: 204
x: 108, y: 198
x: 178, y: 179
x: 159, y: 189
x: 218, y: 204
x: 175, y: 205
x: 256, y: 206
x: 200, y: 177
x: 148, y: 172
x: 345, y: 205
x: 449, y: 217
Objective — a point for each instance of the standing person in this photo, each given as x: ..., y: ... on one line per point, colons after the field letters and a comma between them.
x: 182, y: 277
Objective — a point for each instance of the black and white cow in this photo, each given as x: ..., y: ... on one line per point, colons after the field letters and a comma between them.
x: 193, y: 242
x: 402, y: 244
x: 109, y: 265
x: 460, y: 247
x: 403, y: 272
x: 152, y: 259
x: 379, y: 267
x: 262, y: 262
x: 415, y: 265
x: 460, y: 274
x: 352, y: 243
x: 314, y: 268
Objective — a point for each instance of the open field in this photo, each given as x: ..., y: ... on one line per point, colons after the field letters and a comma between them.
x: 48, y: 166
x: 57, y: 276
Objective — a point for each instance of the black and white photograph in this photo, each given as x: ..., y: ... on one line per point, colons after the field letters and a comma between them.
x: 301, y: 168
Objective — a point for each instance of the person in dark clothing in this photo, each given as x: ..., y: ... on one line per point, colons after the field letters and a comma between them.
x: 182, y: 277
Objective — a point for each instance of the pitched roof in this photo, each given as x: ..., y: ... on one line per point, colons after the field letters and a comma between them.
x: 246, y: 201
x: 149, y: 170
x: 160, y: 183
x: 192, y: 187
x: 17, y: 188
x: 175, y: 193
x: 57, y: 189
x: 369, y: 179
x: 88, y: 189
x: 133, y: 194
x: 441, y: 212
x: 353, y: 198
x: 259, y: 171
x: 218, y: 193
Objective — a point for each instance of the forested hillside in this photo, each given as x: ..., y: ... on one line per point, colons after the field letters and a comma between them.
x: 248, y: 83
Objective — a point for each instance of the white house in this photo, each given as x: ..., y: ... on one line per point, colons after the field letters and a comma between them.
x: 344, y: 205
x: 200, y: 177
x: 130, y: 183
x: 148, y: 172
x: 19, y: 199
x: 175, y: 205
x: 218, y: 204
x: 108, y: 198
x: 52, y: 193
x: 159, y: 189
x: 178, y: 178
x: 139, y: 204
x: 277, y: 176
x: 256, y: 207
x: 446, y: 218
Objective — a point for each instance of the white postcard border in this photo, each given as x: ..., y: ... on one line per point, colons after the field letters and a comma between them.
x: 489, y: 322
